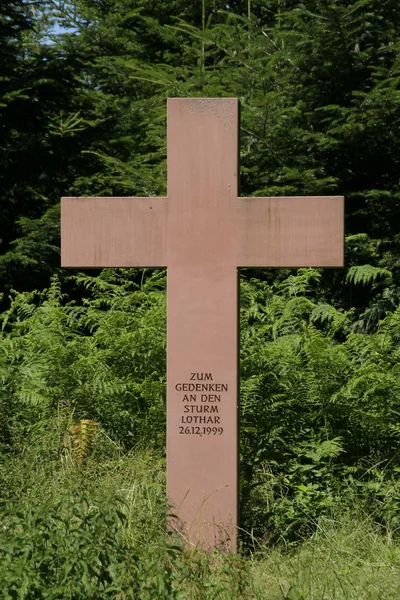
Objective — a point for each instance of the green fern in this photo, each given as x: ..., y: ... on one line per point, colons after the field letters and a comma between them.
x: 367, y: 274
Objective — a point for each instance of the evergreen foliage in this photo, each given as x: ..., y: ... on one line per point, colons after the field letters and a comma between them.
x: 84, y: 110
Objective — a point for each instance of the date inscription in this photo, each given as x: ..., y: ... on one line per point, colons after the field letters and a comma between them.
x: 201, y: 430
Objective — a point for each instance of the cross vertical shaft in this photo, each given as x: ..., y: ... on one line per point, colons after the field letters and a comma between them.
x: 202, y: 314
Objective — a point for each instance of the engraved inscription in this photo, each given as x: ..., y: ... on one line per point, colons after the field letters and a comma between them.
x: 201, y: 404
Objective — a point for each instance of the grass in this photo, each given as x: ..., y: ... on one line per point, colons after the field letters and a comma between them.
x: 347, y: 559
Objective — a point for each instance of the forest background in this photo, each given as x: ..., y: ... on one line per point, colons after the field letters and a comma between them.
x: 83, y: 88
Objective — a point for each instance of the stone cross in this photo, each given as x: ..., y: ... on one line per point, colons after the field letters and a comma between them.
x: 203, y: 231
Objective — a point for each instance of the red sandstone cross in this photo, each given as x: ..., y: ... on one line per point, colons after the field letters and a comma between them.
x: 202, y: 232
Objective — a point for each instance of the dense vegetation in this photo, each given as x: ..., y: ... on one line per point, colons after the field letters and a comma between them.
x: 83, y: 85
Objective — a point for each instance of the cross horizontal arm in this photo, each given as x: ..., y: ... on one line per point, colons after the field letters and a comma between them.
x: 113, y: 232
x: 298, y: 231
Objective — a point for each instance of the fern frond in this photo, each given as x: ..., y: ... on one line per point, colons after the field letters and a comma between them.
x: 328, y: 449
x: 82, y: 435
x: 367, y: 274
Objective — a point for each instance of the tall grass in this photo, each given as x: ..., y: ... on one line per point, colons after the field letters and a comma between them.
x: 347, y: 559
